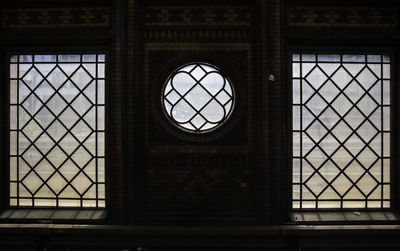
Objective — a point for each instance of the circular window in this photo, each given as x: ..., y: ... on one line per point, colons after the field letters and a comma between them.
x: 198, y: 97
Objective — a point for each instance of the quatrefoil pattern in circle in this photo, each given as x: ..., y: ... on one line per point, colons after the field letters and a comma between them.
x: 198, y: 97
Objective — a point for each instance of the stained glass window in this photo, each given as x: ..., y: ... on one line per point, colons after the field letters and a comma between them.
x: 341, y: 131
x: 57, y: 130
x: 198, y: 97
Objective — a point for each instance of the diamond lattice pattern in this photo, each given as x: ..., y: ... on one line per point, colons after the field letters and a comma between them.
x: 197, y: 97
x: 59, y: 161
x: 344, y: 158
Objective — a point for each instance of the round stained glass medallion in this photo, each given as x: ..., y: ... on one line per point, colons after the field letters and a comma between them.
x: 198, y: 97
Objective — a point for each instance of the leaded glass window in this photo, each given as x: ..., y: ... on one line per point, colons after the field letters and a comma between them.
x: 341, y: 131
x: 57, y: 130
x: 198, y: 97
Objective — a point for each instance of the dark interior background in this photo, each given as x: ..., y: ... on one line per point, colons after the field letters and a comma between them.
x: 236, y: 176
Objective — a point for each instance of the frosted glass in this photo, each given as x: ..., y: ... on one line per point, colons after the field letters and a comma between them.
x: 182, y: 111
x: 182, y: 82
x: 45, y: 58
x: 345, y: 127
x: 214, y: 112
x: 13, y: 91
x: 89, y: 58
x: 13, y: 70
x: 198, y: 97
x: 213, y: 83
x: 69, y: 58
x: 100, y: 91
x: 328, y: 57
x: 54, y: 137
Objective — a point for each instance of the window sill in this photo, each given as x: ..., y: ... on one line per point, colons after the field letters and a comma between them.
x: 53, y: 215
x: 345, y: 217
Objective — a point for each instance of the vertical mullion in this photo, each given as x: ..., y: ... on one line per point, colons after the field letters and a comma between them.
x: 365, y: 119
x: 341, y: 65
x: 382, y: 129
x: 57, y: 66
x: 33, y: 143
x: 96, y: 132
x: 315, y: 66
x: 17, y: 131
x: 301, y: 129
x: 80, y: 118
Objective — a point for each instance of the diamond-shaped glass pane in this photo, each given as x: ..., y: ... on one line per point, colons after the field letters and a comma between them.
x: 69, y: 143
x: 56, y: 78
x: 32, y: 104
x: 56, y: 130
x: 366, y: 184
x: 69, y: 170
x: 44, y: 117
x: 57, y: 182
x: 367, y: 131
x: 341, y: 78
x: 81, y: 131
x: 81, y: 157
x: 69, y: 117
x: 198, y: 121
x: 32, y: 130
x: 367, y: 105
x: 32, y: 78
x: 316, y: 184
x: 354, y: 171
x: 329, y: 171
x: 81, y: 105
x: 341, y: 184
x: 44, y: 91
x: 44, y: 143
x: 367, y: 157
x: 329, y: 91
x: 341, y: 105
x: 223, y: 97
x: 81, y: 183
x: 354, y: 118
x: 354, y: 144
x: 316, y: 78
x: 366, y: 78
x: 56, y: 104
x: 329, y: 144
x: 56, y: 156
x: 198, y: 73
x: 341, y: 131
x: 316, y: 131
x: 316, y: 157
x: 172, y: 97
x: 354, y: 91
x: 341, y: 157
x: 81, y: 78
x: 68, y: 91
x: 44, y: 169
x: 32, y: 156
x: 32, y: 182
x: 329, y: 118
x: 316, y: 104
